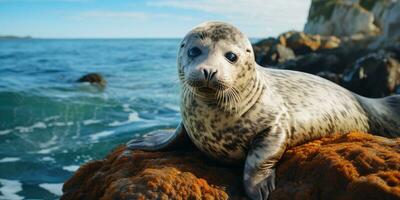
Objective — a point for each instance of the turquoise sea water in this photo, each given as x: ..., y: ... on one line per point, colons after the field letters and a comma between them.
x: 49, y: 124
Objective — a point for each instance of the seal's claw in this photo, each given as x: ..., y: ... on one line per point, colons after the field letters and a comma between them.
x: 150, y: 141
x: 263, y: 189
x: 136, y: 143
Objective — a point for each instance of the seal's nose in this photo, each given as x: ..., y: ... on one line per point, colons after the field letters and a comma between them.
x: 209, y: 74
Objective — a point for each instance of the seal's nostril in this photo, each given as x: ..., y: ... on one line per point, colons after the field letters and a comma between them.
x: 205, y: 73
x: 213, y: 73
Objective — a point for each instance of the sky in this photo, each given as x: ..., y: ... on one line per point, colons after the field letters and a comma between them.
x: 146, y: 18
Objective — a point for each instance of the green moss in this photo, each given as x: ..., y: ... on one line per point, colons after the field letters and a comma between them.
x: 322, y: 8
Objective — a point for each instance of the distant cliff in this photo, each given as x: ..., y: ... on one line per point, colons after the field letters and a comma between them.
x: 355, y: 18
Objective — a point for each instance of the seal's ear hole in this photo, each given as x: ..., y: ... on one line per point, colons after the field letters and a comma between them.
x: 182, y: 45
x: 248, y: 50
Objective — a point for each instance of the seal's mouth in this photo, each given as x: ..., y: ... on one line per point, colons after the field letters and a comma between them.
x: 206, y: 90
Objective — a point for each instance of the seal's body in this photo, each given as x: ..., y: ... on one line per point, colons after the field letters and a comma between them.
x: 238, y: 112
x: 302, y: 105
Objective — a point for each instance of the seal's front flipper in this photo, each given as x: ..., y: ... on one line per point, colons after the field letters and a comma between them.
x: 161, y: 140
x: 264, y: 188
x: 259, y: 171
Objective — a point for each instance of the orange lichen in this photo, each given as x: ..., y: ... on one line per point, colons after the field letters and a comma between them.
x: 350, y: 166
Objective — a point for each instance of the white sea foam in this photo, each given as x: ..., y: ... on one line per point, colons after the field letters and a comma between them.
x: 49, y: 159
x: 9, y: 159
x: 172, y: 107
x: 51, y: 118
x: 90, y: 121
x: 54, y: 188
x: 71, y: 168
x: 27, y: 129
x: 5, y: 132
x: 10, y: 188
x: 51, y: 142
x: 133, y: 117
x: 61, y: 124
x: 48, y: 150
x: 126, y: 108
x: 97, y: 136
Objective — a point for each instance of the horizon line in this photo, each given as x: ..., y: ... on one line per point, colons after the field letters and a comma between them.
x: 95, y: 38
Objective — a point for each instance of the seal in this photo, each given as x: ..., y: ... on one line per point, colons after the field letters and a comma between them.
x: 239, y: 112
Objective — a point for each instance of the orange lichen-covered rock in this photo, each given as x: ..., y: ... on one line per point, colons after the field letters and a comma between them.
x: 154, y: 175
x: 350, y: 166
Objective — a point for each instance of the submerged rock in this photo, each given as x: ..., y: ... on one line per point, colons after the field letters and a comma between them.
x: 350, y: 166
x: 93, y: 78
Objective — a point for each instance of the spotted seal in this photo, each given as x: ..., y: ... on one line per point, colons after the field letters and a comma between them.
x: 238, y: 112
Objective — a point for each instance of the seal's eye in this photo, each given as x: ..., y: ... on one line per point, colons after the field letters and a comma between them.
x: 194, y: 52
x: 231, y: 57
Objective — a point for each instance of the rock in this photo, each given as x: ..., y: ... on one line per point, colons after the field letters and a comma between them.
x: 328, y: 17
x: 154, y: 175
x: 336, y: 78
x: 379, y: 18
x: 302, y: 43
x: 350, y: 166
x: 93, y: 78
x: 329, y: 42
x: 388, y: 18
x: 277, y: 54
x: 271, y: 51
x: 375, y: 75
x: 262, y: 47
x: 314, y: 63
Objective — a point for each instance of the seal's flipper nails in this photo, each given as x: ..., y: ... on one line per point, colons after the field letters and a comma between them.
x: 259, y: 171
x: 159, y: 140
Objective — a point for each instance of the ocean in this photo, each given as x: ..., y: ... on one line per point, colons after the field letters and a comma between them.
x: 50, y: 124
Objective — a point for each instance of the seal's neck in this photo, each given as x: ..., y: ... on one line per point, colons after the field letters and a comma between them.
x: 250, y: 93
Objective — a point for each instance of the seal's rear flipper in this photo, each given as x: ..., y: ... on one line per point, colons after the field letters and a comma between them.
x: 161, y: 140
x: 384, y: 115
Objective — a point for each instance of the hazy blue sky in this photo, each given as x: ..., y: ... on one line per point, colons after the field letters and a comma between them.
x: 146, y: 18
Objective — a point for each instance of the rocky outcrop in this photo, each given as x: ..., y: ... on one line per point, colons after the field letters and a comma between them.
x: 363, y: 60
x: 275, y: 51
x: 363, y: 18
x: 374, y: 75
x: 351, y: 166
x: 328, y: 17
x: 154, y: 175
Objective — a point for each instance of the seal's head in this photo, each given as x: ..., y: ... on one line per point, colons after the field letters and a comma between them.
x: 216, y: 61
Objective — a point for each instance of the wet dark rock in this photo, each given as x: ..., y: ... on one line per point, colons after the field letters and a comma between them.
x: 93, y: 78
x: 312, y: 63
x: 277, y: 54
x: 262, y: 48
x: 336, y: 78
x: 375, y: 75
